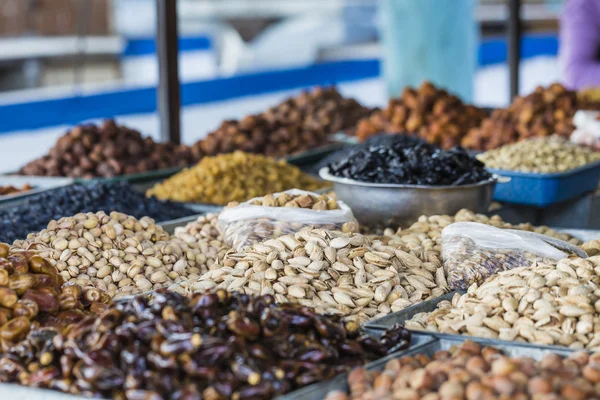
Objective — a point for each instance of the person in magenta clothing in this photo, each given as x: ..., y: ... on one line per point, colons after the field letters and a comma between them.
x: 580, y: 43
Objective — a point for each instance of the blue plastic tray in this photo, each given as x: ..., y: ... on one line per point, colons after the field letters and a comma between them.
x: 545, y: 189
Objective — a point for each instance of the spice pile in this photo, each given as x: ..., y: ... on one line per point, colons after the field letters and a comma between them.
x: 34, y: 213
x: 431, y: 113
x: 545, y: 303
x: 544, y: 112
x: 421, y: 164
x: 473, y: 372
x: 333, y: 272
x: 107, y: 150
x: 541, y: 155
x: 6, y: 190
x: 212, y: 346
x: 230, y: 177
x: 32, y: 294
x: 116, y: 253
x: 299, y: 123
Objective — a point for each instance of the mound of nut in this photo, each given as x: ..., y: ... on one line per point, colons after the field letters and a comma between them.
x: 107, y: 150
x: 231, y: 177
x: 213, y: 346
x: 32, y: 294
x: 473, y: 372
x: 114, y: 252
x: 336, y: 273
x: 544, y: 112
x: 431, y: 113
x: 297, y: 124
x: 203, y: 235
x: 427, y: 231
x: 551, y: 304
x: 540, y: 155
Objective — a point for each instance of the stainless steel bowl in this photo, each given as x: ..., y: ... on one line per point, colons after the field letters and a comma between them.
x: 379, y: 205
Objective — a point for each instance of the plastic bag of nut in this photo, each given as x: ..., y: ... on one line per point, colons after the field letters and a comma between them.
x: 280, y: 214
x: 587, y: 132
x: 472, y: 252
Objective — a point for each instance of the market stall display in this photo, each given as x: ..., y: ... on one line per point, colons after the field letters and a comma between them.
x: 544, y: 112
x: 545, y: 303
x: 300, y: 123
x: 214, y: 346
x: 33, y: 213
x: 105, y: 151
x: 236, y: 176
x: 430, y: 113
x: 473, y: 371
x: 33, y: 294
x: 114, y: 252
x: 280, y: 290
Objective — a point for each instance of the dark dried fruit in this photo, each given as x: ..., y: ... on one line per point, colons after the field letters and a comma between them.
x: 402, y: 162
x: 214, y: 346
x: 107, y: 150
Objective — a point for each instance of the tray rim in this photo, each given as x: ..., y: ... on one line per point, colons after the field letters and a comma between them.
x: 536, y: 175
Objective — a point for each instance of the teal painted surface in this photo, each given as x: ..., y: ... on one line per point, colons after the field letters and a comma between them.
x: 429, y: 39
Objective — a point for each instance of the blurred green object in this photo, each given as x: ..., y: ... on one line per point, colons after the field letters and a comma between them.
x: 433, y: 40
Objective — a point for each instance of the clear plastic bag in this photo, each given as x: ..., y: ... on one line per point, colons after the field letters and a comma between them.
x: 246, y: 224
x: 472, y: 252
x: 587, y: 132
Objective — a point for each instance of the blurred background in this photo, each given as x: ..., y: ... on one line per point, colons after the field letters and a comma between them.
x: 66, y: 61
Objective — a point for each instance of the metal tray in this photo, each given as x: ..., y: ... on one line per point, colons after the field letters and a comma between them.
x: 17, y: 392
x: 320, y: 390
x: 315, y: 155
x: 399, y: 317
x: 430, y: 305
x: 417, y: 341
x: 542, y: 190
x: 40, y: 184
x: 584, y: 235
x: 169, y: 226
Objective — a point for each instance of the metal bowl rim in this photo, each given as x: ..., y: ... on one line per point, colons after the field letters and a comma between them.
x: 324, y: 174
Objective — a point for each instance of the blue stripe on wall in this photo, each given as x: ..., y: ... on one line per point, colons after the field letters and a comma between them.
x: 76, y: 108
x: 147, y: 46
x: 71, y: 110
x: 495, y: 50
